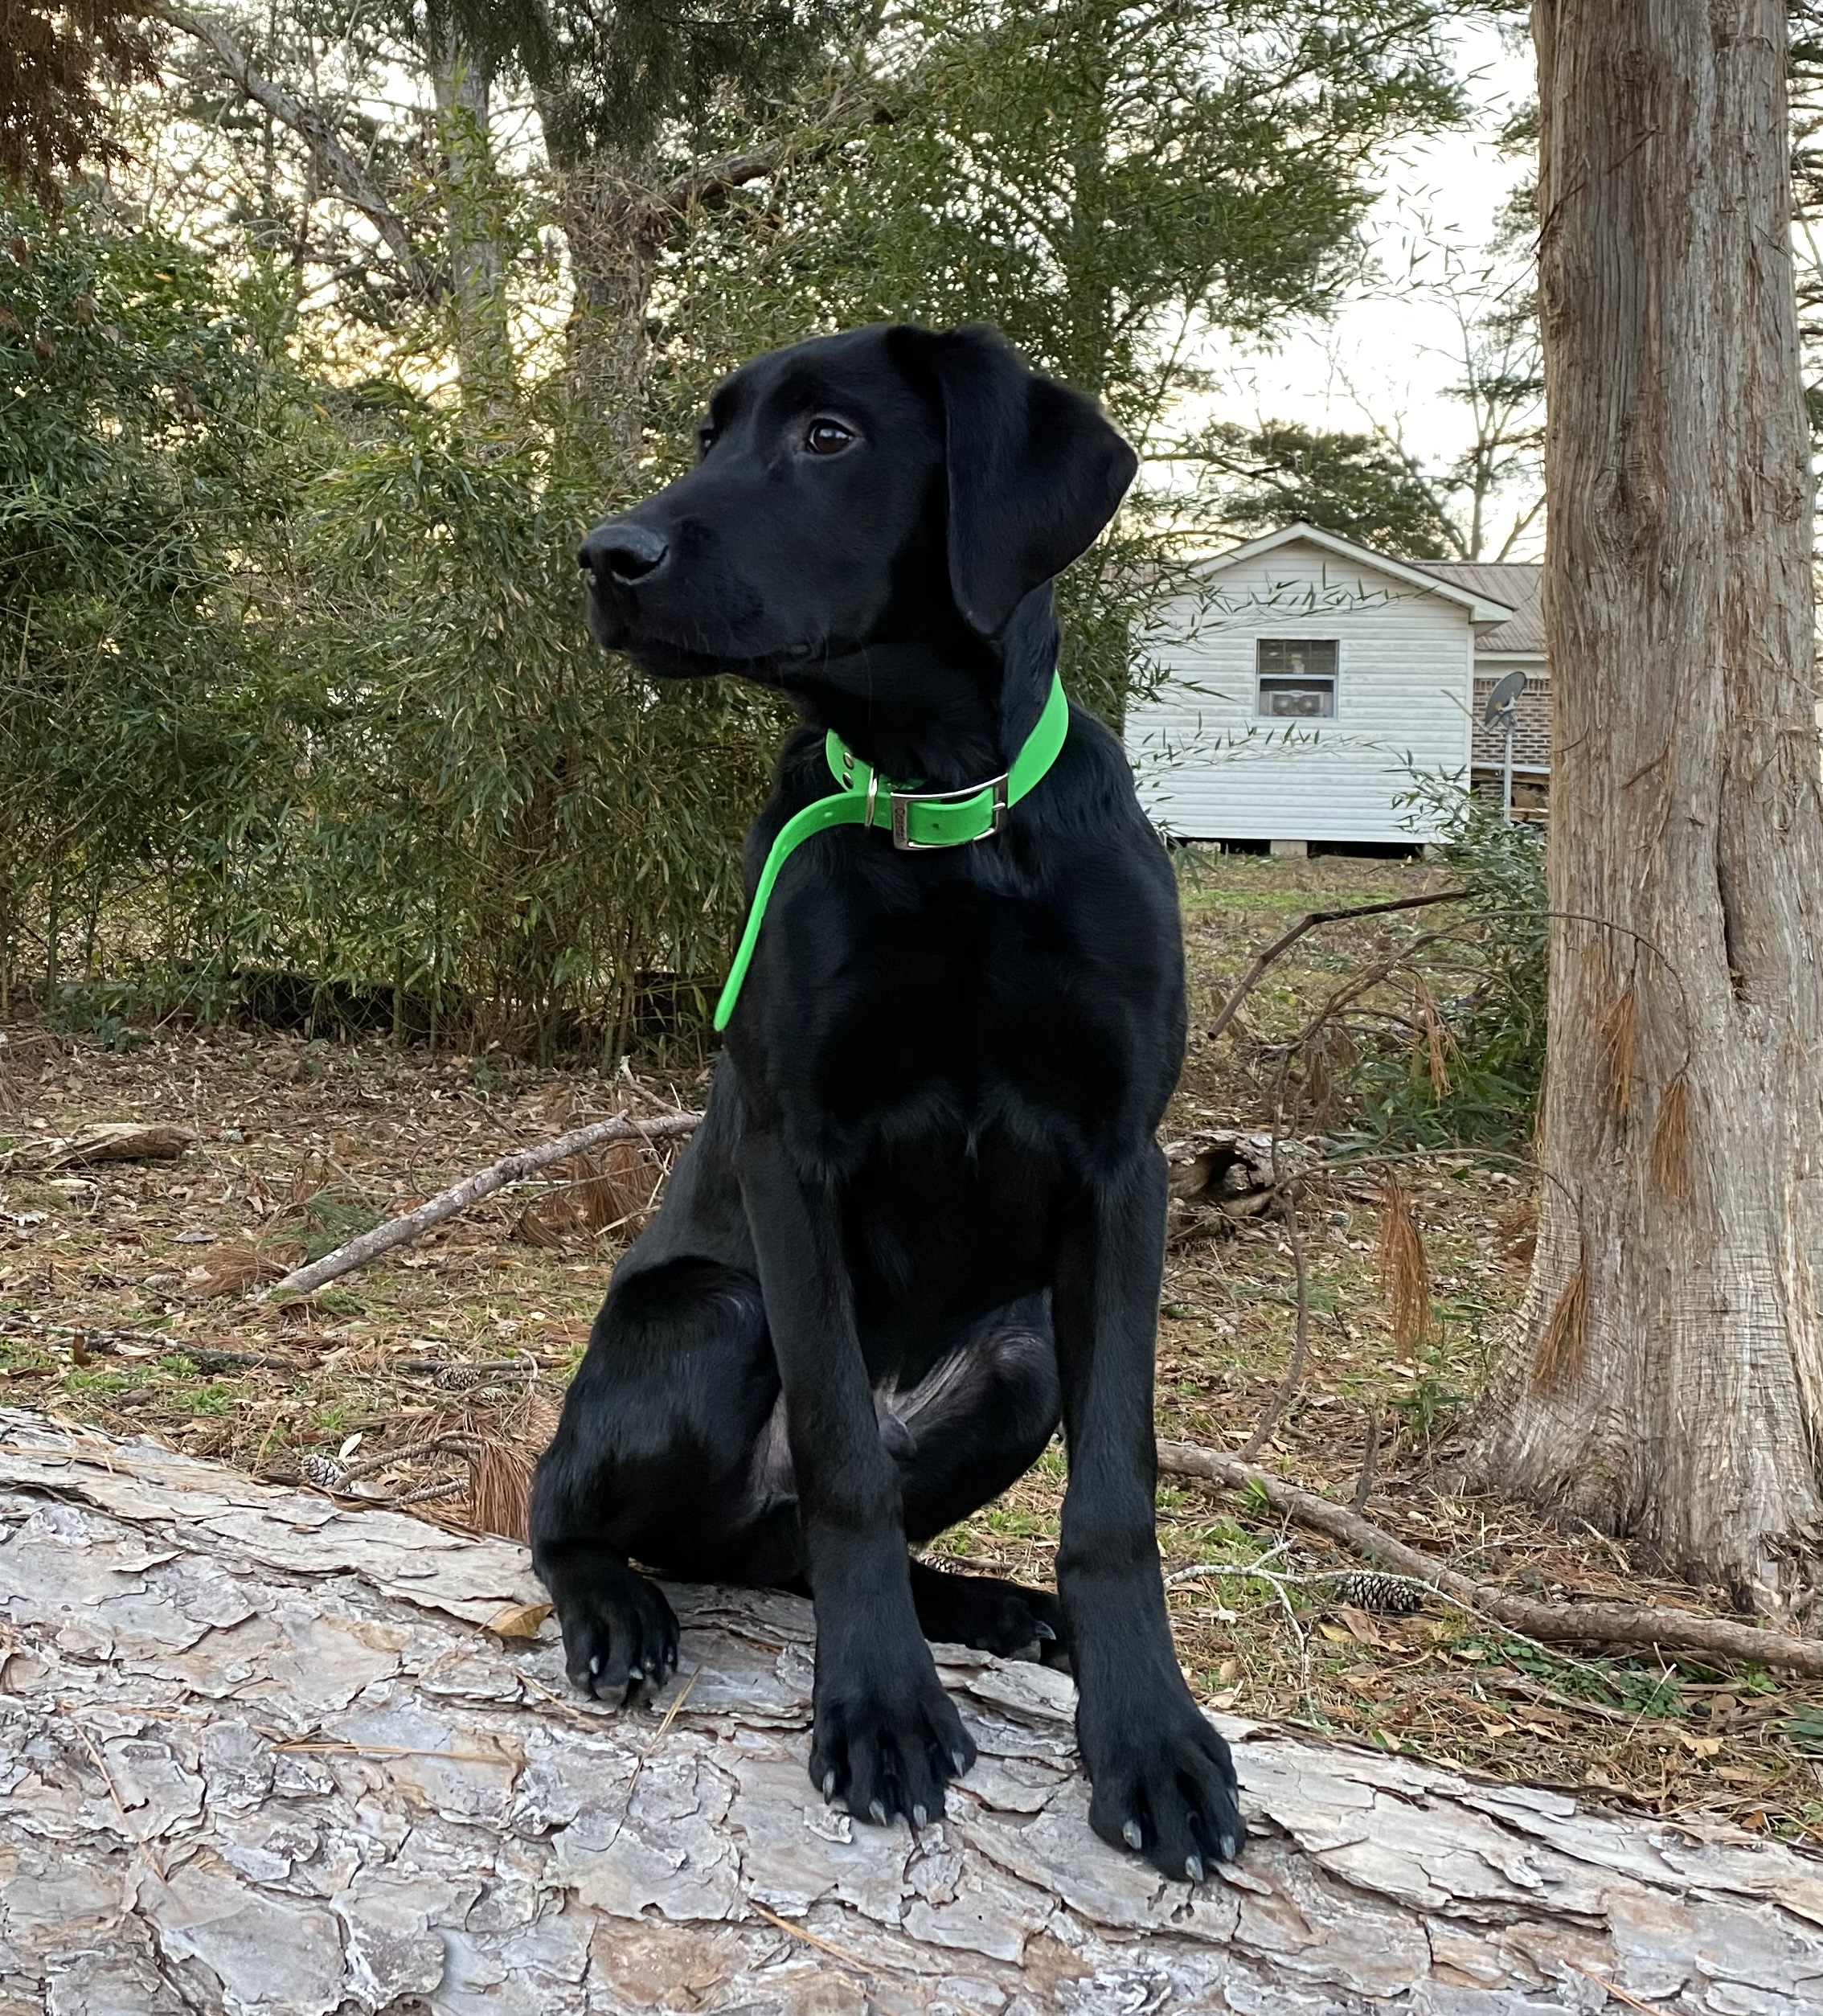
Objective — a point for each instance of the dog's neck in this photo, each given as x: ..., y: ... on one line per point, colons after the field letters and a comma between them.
x: 948, y: 713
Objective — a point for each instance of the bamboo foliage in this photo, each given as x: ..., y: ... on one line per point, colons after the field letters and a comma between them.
x: 370, y: 743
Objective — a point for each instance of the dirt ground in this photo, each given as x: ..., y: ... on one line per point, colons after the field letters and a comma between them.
x: 430, y: 1379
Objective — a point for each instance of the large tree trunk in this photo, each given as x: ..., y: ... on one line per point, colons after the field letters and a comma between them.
x: 1671, y: 1386
x: 612, y: 232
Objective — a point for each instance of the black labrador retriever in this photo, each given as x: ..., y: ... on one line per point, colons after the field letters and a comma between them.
x: 923, y: 1217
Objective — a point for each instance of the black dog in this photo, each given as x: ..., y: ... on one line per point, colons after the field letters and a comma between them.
x: 925, y: 1215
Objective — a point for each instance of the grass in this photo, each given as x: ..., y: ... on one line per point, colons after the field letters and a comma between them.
x: 300, y: 1144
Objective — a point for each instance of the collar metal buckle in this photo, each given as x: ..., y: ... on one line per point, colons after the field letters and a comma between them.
x: 904, y: 800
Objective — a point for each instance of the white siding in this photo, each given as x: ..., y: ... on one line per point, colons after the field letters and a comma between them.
x: 1209, y: 769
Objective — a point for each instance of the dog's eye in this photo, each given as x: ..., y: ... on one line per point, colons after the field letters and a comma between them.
x: 705, y: 441
x: 827, y: 437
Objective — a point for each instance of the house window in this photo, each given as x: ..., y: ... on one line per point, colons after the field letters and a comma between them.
x: 1296, y: 679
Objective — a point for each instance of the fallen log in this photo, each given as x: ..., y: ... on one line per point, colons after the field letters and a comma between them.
x: 510, y: 1169
x: 262, y: 1754
x: 1651, y: 1626
x: 107, y: 1140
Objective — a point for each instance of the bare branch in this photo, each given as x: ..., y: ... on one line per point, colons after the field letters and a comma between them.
x: 510, y: 1169
x: 348, y: 174
x: 710, y: 184
x: 1262, y: 959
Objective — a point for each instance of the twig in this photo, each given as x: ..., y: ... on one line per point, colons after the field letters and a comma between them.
x: 1370, y: 1462
x: 311, y: 1747
x: 810, y: 1939
x: 510, y: 1169
x: 1619, y: 1994
x: 106, y: 1343
x: 100, y: 1763
x: 1300, y: 1347
x: 641, y: 1761
x: 450, y: 1487
x: 1643, y: 1624
x: 1254, y: 972
x: 868, y: 1974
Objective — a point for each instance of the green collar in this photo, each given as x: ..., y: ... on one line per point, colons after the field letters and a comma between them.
x: 916, y: 819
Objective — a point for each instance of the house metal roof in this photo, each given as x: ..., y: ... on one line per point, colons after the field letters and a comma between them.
x: 1518, y: 584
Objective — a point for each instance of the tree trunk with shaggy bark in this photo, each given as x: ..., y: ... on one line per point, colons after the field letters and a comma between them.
x: 1671, y: 1386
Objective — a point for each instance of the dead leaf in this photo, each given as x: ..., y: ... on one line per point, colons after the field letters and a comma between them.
x: 1362, y: 1627
x: 519, y: 1621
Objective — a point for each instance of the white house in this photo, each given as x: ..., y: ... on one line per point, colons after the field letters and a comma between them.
x: 1308, y: 678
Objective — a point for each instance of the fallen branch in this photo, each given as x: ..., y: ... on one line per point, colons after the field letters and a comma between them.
x: 510, y: 1169
x: 143, y: 1343
x: 108, y: 1141
x: 1282, y: 944
x: 1645, y: 1625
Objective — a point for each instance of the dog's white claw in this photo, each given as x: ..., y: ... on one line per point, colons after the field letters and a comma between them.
x: 828, y: 1784
x: 878, y: 1811
x: 635, y: 1675
x: 595, y: 1664
x: 1193, y: 1868
x: 919, y: 1817
x: 1046, y: 1635
x: 1130, y: 1833
x: 960, y: 1759
x: 1230, y: 1847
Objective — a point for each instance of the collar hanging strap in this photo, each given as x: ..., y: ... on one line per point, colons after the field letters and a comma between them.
x: 917, y: 820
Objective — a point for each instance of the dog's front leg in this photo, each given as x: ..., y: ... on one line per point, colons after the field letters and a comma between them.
x: 886, y: 1738
x: 1163, y: 1780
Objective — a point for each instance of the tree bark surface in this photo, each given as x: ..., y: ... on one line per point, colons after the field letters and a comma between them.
x: 261, y: 1754
x: 1671, y: 1385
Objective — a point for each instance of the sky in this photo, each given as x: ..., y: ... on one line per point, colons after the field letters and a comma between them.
x: 1389, y: 350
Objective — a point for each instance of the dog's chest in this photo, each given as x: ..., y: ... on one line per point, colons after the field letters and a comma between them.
x: 958, y: 1009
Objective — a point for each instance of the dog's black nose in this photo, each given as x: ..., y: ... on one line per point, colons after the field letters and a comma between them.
x: 627, y: 550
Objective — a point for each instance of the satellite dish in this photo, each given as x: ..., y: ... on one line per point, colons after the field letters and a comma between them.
x: 1503, y: 699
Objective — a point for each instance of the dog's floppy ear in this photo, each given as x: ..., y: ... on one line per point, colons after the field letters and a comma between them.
x: 1035, y: 470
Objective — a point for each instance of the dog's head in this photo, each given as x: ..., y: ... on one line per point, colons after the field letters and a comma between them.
x: 890, y: 486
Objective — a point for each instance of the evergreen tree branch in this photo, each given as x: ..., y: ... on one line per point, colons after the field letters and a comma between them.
x: 338, y: 164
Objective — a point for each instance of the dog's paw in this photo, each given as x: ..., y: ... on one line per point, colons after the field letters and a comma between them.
x: 1164, y: 1785
x: 620, y: 1637
x: 1004, y: 1618
x: 887, y: 1749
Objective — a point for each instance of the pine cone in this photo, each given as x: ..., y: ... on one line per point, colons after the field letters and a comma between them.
x: 1386, y: 1596
x: 322, y: 1471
